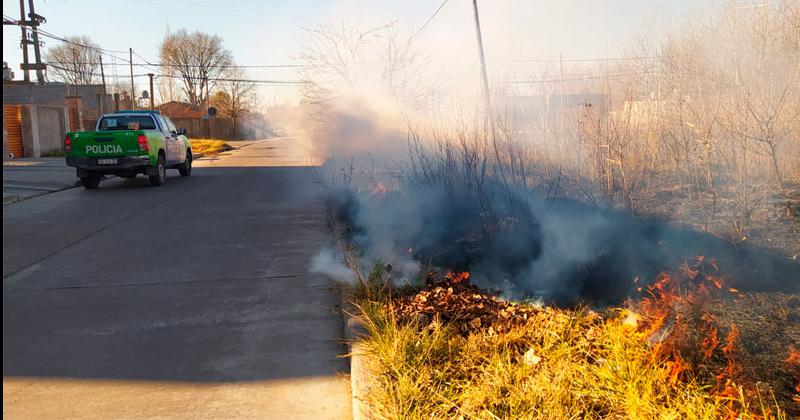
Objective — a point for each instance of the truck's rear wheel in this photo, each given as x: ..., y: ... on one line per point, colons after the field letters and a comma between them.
x: 186, y: 168
x: 90, y: 182
x: 160, y: 176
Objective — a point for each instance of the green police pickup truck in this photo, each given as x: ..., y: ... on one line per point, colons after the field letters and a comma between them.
x: 128, y: 143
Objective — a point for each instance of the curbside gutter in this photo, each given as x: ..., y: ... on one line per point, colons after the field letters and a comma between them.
x: 359, y: 374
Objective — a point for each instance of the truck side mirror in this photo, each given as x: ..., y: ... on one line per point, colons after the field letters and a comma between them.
x: 182, y: 131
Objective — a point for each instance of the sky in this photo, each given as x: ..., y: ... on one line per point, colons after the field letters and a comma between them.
x: 264, y: 32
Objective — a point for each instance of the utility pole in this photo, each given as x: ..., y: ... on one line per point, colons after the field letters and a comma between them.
x: 208, y: 106
x: 34, y: 22
x: 103, y: 78
x: 78, y: 75
x: 133, y: 89
x: 24, y: 42
x: 485, y: 78
x: 488, y: 103
x: 561, y: 100
x: 151, y: 90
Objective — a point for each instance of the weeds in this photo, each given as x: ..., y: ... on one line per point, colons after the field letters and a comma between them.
x: 209, y: 146
x: 559, y: 363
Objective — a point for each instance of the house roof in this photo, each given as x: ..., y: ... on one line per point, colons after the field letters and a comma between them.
x: 175, y: 109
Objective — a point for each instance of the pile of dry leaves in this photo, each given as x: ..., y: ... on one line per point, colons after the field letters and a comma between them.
x: 454, y: 300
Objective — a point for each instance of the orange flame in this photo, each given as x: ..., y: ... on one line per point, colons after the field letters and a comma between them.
x: 378, y: 188
x: 452, y: 277
x: 675, y: 368
x: 730, y: 340
x: 794, y: 358
x: 710, y: 341
x: 794, y: 363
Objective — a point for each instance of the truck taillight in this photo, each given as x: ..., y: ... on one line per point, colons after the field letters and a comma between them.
x: 143, y: 145
x: 67, y: 144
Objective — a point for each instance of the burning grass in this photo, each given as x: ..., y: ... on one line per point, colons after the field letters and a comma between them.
x: 451, y: 350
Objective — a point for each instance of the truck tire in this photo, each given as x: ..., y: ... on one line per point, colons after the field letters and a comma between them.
x: 160, y: 176
x: 185, y: 169
x: 90, y: 182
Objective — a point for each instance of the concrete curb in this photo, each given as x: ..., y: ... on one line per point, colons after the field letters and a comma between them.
x: 360, y: 382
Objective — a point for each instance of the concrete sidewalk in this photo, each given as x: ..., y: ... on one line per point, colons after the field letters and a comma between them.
x: 30, y: 177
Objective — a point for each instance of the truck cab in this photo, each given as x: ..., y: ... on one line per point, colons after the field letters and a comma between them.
x: 126, y: 144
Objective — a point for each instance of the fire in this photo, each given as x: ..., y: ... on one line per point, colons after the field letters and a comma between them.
x: 793, y: 361
x: 676, y: 317
x: 631, y: 321
x: 462, y: 277
x: 378, y: 188
x: 794, y: 358
x: 730, y: 340
x: 675, y: 368
x: 711, y: 341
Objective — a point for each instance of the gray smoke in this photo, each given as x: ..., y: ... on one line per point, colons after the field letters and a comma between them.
x: 562, y: 251
x: 329, y: 263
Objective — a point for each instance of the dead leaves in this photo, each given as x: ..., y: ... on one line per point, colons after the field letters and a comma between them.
x: 454, y: 300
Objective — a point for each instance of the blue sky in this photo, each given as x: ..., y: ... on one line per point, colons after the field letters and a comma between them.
x: 271, y: 32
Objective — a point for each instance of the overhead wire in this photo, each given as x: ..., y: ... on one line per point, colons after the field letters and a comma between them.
x: 429, y: 20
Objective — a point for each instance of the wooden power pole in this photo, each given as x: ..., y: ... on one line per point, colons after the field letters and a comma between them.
x: 484, y: 77
x: 151, y: 91
x: 133, y: 89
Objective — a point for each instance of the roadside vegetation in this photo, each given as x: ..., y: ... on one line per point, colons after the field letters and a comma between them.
x: 540, y: 264
x: 451, y: 350
x: 209, y: 146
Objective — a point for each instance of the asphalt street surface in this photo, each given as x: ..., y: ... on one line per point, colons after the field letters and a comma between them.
x: 191, y: 300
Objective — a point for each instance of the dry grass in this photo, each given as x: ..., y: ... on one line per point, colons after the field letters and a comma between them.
x: 587, y: 368
x: 561, y: 363
x: 209, y: 146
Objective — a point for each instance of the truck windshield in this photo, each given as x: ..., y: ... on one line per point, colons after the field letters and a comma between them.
x: 127, y: 122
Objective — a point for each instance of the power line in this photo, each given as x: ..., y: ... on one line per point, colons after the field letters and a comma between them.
x: 579, y: 59
x: 429, y: 20
x: 9, y: 20
x: 150, y: 64
x: 210, y: 79
x: 226, y: 65
x: 580, y: 78
x: 224, y: 79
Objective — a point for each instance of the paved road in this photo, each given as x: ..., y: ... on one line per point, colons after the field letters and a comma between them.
x: 189, y: 300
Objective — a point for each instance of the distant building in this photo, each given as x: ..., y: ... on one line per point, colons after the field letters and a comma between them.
x: 36, y: 117
x: 191, y: 117
x: 197, y: 124
x: 543, y: 111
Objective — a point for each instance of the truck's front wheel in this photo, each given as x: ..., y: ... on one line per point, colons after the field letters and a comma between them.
x: 90, y: 182
x: 160, y: 177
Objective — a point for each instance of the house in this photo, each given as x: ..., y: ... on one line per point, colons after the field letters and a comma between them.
x: 194, y: 119
x: 544, y: 111
x: 36, y: 117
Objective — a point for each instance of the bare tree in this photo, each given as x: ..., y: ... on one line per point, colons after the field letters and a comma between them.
x: 76, y: 62
x: 168, y: 89
x: 197, y: 59
x: 236, y: 95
